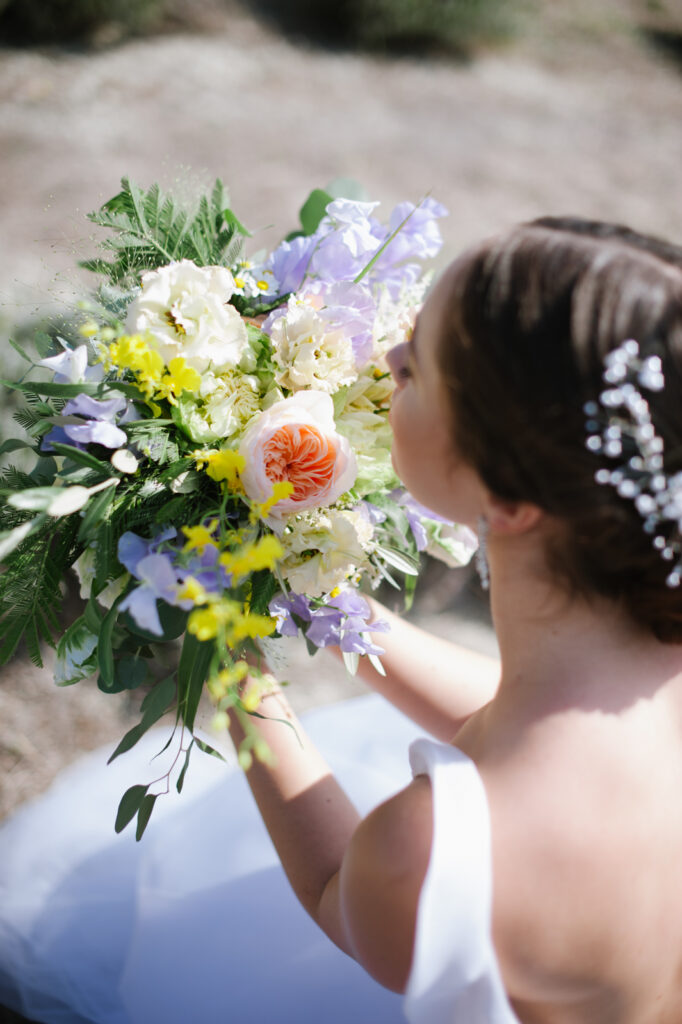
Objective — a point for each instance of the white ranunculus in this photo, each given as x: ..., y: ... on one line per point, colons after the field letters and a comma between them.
x: 310, y: 354
x: 185, y: 309
x: 296, y: 440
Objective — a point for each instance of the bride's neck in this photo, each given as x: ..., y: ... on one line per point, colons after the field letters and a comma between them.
x: 554, y: 643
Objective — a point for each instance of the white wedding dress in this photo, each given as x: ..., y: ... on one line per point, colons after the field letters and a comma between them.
x: 197, y: 921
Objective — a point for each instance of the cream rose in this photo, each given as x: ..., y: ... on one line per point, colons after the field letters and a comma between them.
x: 186, y: 311
x: 296, y: 440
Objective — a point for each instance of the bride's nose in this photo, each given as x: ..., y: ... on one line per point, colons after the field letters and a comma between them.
x: 397, y: 362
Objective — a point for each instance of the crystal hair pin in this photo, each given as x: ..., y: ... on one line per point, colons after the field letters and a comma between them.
x: 628, y: 435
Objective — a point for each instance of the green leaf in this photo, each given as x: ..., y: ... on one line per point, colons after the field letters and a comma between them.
x: 399, y: 560
x: 76, y: 653
x: 154, y: 706
x: 17, y: 348
x: 82, y: 458
x: 11, y: 539
x: 195, y: 660
x: 33, y: 499
x: 15, y: 445
x: 144, y: 814
x: 129, y: 806
x: 313, y: 210
x: 173, y: 623
x: 92, y: 616
x: 51, y: 389
x: 181, y: 777
x: 95, y: 513
x: 12, y: 634
x: 233, y: 222
x: 105, y: 653
x: 208, y: 749
x: 351, y: 660
x: 263, y: 588
x: 129, y: 673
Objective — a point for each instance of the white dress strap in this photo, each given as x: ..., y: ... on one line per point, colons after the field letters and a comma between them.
x: 455, y: 978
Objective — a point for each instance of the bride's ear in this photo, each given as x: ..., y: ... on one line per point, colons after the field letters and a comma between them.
x: 511, y: 518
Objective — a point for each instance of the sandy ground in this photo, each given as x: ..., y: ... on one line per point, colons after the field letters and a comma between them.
x: 570, y: 119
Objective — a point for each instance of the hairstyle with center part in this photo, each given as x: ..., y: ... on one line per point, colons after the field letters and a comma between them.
x: 530, y: 317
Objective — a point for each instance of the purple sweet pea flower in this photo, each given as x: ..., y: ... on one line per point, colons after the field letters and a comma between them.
x: 375, y: 514
x: 71, y: 366
x: 97, y: 426
x: 158, y: 580
x: 132, y: 549
x: 350, y: 308
x: 420, y: 237
x: 343, y: 622
x: 289, y: 263
x: 415, y: 512
x: 348, y: 237
x: 284, y: 606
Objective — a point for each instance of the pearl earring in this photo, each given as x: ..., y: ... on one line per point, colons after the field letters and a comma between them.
x: 481, y: 557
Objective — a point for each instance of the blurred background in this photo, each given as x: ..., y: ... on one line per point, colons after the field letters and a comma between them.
x: 503, y: 109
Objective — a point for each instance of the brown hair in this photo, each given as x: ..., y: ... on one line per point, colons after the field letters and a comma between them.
x: 530, y: 318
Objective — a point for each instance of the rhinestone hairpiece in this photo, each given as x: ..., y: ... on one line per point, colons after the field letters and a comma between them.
x: 627, y: 434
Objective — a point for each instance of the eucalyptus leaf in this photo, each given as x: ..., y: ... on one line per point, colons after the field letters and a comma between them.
x: 144, y: 814
x: 183, y: 771
x: 195, y: 660
x: 154, y: 706
x: 129, y: 806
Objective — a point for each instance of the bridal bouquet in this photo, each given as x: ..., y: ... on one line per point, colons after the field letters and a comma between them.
x: 213, y: 455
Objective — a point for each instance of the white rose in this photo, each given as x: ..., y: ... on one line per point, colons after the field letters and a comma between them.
x: 308, y: 354
x: 296, y: 440
x: 186, y: 310
x: 341, y: 538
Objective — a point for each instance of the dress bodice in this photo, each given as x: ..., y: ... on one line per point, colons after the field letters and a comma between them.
x: 455, y: 977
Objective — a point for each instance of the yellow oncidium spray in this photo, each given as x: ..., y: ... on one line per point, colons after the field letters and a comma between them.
x: 222, y: 465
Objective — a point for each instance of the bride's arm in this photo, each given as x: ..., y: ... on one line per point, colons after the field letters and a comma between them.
x: 359, y: 880
x: 434, y: 682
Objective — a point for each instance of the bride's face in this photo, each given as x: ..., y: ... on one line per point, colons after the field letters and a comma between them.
x: 424, y: 453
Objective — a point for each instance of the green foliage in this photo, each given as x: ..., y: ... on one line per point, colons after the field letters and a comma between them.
x: 458, y: 27
x: 149, y: 230
x: 26, y: 21
x: 30, y: 595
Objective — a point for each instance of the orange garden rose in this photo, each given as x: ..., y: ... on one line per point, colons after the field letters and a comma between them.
x: 295, y: 440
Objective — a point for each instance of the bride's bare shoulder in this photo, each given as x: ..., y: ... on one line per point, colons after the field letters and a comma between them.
x: 587, y: 858
x: 381, y: 880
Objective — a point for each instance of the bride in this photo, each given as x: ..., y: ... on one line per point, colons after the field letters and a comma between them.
x: 531, y: 871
